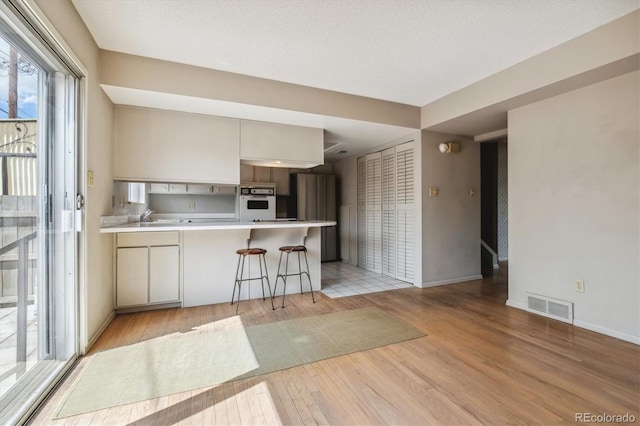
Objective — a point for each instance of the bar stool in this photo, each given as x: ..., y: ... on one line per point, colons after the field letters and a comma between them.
x: 288, y: 250
x: 242, y: 254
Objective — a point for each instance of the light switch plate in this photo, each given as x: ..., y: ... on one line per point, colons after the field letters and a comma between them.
x: 433, y: 191
x: 90, y: 178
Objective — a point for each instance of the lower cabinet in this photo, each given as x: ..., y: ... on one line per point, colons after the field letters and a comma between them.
x: 132, y: 277
x: 146, y: 274
x: 163, y: 274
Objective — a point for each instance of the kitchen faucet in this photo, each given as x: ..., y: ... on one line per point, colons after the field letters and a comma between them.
x: 144, y: 216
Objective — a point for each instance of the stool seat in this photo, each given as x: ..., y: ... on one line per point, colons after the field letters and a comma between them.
x: 288, y: 250
x: 240, y: 278
x: 250, y: 251
x: 292, y: 249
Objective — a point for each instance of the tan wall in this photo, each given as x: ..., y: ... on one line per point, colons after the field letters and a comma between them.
x: 129, y: 71
x: 574, y: 203
x: 98, y: 295
x: 450, y: 221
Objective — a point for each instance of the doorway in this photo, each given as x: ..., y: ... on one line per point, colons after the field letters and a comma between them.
x: 494, y: 204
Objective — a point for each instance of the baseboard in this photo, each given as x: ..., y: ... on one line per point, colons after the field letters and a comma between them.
x: 516, y: 305
x: 451, y: 281
x: 607, y: 332
x: 587, y: 326
x: 98, y: 333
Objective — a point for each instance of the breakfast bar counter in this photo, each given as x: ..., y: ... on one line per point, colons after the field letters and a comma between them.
x: 207, y: 257
x: 210, y: 225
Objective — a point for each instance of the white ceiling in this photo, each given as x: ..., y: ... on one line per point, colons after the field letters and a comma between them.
x: 406, y: 51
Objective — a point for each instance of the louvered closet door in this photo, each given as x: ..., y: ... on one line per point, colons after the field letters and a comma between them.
x: 374, y: 212
x: 389, y: 212
x: 405, y: 210
x: 362, y: 212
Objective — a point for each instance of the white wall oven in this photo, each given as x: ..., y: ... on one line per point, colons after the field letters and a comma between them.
x: 257, y: 202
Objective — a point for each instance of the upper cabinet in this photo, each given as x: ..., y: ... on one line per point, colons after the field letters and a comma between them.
x: 157, y: 145
x: 271, y: 144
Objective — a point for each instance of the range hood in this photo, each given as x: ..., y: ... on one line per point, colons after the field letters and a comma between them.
x: 278, y: 163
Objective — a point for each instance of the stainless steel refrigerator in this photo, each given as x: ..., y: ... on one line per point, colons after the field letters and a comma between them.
x: 313, y: 197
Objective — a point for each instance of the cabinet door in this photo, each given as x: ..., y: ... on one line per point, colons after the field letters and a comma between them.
x: 224, y: 190
x: 158, y: 188
x: 281, y: 142
x: 199, y: 189
x: 280, y: 176
x: 132, y: 276
x: 164, y: 275
x: 171, y: 146
x: 177, y: 188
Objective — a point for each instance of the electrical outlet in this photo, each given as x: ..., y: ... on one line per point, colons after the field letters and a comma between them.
x: 580, y: 286
x: 192, y: 206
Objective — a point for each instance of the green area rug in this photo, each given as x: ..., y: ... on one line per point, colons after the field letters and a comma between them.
x: 151, y: 369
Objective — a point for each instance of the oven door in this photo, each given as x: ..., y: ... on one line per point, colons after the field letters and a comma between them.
x: 255, y: 207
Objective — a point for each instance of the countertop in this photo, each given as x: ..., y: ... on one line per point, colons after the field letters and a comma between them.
x: 211, y: 225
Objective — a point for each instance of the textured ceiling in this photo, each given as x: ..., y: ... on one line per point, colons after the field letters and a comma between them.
x: 405, y: 51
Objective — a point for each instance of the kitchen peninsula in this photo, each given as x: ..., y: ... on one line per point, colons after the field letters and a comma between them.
x: 194, y: 263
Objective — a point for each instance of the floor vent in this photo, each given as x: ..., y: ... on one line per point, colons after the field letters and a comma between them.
x: 552, y: 308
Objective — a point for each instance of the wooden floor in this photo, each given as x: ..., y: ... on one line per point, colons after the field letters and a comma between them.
x: 480, y: 363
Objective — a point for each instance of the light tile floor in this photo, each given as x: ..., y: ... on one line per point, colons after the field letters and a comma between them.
x: 342, y: 279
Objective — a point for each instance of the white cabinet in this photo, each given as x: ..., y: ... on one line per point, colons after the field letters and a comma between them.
x: 157, y: 145
x: 163, y: 274
x: 147, y: 268
x: 264, y: 143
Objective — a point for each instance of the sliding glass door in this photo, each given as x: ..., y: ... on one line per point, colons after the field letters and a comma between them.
x: 38, y: 239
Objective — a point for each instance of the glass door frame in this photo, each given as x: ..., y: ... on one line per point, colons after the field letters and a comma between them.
x: 60, y: 177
